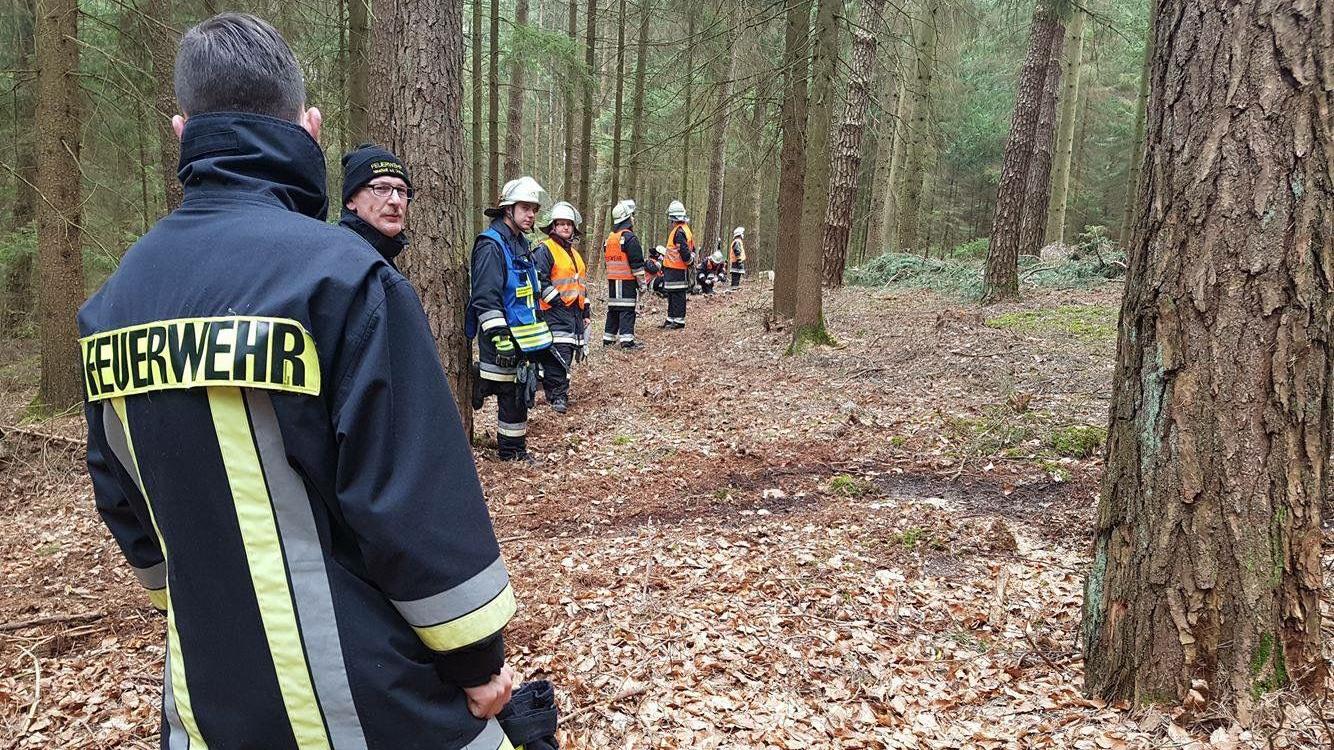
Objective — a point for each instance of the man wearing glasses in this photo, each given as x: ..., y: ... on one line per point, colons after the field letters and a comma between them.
x: 376, y: 194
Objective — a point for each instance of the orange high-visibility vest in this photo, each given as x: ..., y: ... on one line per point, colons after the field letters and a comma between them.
x: 673, y: 257
x: 738, y: 251
x: 618, y: 264
x: 567, y: 275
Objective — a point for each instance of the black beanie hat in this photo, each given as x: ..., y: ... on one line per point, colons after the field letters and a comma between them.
x: 365, y: 163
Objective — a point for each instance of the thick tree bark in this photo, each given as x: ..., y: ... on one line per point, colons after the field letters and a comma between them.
x: 1137, y: 154
x: 1207, y: 553
x: 918, y: 139
x: 358, y: 52
x: 1065, y: 130
x: 568, y: 187
x: 514, y: 110
x: 809, y: 319
x: 59, y: 250
x: 1037, y: 188
x: 713, y: 229
x: 847, y: 154
x: 637, y: 109
x: 792, y: 158
x: 416, y: 113
x: 617, y: 107
x: 1002, y: 272
x: 479, y: 164
x: 162, y: 38
x: 586, y: 134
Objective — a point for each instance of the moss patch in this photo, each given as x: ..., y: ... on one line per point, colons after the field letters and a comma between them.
x: 1078, y: 441
x: 1093, y: 324
x: 849, y: 486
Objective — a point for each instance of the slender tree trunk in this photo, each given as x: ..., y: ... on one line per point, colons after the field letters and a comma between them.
x: 617, y: 107
x: 847, y: 154
x: 493, y: 108
x: 162, y: 38
x: 586, y: 136
x: 792, y: 159
x: 713, y: 218
x: 918, y: 142
x: 571, y: 137
x: 479, y: 163
x: 1137, y: 156
x: 886, y: 131
x: 358, y: 50
x: 1037, y: 188
x: 809, y: 319
x: 59, y: 250
x: 1065, y: 131
x: 1207, y: 555
x: 416, y: 113
x: 894, y: 191
x: 689, y: 115
x: 637, y: 109
x: 16, y: 290
x: 514, y: 111
x: 1002, y: 272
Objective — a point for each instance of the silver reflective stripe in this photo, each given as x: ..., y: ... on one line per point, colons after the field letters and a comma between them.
x: 119, y: 446
x: 551, y: 293
x: 177, y: 739
x: 458, y: 601
x: 509, y: 429
x: 675, y: 285
x: 496, y: 369
x: 564, y: 280
x: 153, y: 578
x: 491, y: 738
x: 490, y: 315
x: 613, y: 302
x: 566, y: 338
x: 306, y: 567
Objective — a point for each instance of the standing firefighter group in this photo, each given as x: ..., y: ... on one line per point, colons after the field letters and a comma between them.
x: 529, y: 308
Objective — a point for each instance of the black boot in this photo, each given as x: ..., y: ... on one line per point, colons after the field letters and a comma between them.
x: 478, y: 397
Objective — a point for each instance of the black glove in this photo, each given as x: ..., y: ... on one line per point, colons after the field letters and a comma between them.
x: 507, y: 354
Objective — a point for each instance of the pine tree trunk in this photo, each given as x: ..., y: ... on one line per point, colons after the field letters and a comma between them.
x: 1207, y: 552
x: 1137, y: 154
x: 713, y: 230
x: 162, y: 38
x: 618, y: 106
x: 59, y: 250
x: 568, y: 187
x: 1065, y: 130
x: 847, y: 156
x: 16, y: 292
x: 416, y: 113
x: 918, y: 138
x: 479, y: 196
x: 637, y: 109
x: 689, y: 114
x: 514, y: 110
x: 358, y: 51
x: 894, y: 191
x: 1037, y: 188
x: 792, y: 158
x: 586, y: 136
x: 809, y: 319
x: 493, y: 182
x: 1002, y: 272
x: 886, y: 132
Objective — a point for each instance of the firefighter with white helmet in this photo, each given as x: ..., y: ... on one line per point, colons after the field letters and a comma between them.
x: 680, y: 254
x: 625, y: 277
x: 503, y: 312
x: 561, y: 270
x: 736, y: 257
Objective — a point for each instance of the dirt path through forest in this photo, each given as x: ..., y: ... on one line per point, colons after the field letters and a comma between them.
x: 874, y: 545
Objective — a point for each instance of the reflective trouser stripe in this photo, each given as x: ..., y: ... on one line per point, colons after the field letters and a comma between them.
x: 308, y: 571
x: 268, y: 575
x: 512, y: 429
x: 183, y: 731
x: 492, y: 737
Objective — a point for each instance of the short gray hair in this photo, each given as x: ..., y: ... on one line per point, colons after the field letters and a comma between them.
x: 236, y: 62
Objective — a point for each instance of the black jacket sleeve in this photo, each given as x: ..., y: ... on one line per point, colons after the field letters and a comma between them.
x: 488, y: 286
x: 683, y: 247
x: 408, y: 488
x: 634, y: 252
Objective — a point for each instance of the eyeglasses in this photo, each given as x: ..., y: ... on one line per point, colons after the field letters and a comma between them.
x: 383, y: 191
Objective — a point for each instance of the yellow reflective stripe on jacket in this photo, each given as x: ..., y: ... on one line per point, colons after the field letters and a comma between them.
x: 475, y: 626
x: 268, y: 573
x: 531, y: 336
x: 239, y: 350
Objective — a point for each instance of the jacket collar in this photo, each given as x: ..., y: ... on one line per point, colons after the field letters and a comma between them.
x: 242, y: 155
x: 387, y: 246
x: 517, y: 242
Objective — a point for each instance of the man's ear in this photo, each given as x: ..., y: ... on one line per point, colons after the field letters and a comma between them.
x: 350, y: 206
x: 178, y: 124
x: 311, y: 120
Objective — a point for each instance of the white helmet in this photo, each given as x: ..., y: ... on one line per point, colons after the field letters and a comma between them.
x: 622, y: 211
x: 676, y: 211
x: 717, y: 257
x: 739, y: 232
x: 563, y: 210
x: 523, y: 190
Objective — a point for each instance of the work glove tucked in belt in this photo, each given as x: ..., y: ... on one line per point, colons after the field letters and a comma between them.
x: 530, y: 718
x: 507, y: 354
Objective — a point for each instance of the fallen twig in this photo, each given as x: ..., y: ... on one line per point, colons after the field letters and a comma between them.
x: 50, y: 620
x: 74, y: 442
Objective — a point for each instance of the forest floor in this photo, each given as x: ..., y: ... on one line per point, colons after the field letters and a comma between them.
x: 878, y: 544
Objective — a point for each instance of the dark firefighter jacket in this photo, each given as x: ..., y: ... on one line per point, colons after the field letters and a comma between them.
x: 273, y: 444
x: 505, y: 289
x: 388, y: 247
